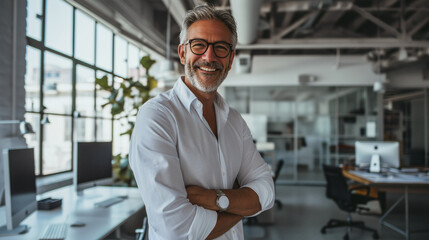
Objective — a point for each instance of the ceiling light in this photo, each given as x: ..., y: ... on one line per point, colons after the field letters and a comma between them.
x: 24, y: 127
x: 402, y: 54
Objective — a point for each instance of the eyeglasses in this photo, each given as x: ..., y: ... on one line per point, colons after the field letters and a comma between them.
x: 199, y: 47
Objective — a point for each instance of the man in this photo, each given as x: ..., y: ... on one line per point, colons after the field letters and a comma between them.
x: 188, y: 147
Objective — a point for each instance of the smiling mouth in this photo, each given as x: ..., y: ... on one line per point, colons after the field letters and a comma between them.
x: 207, y: 69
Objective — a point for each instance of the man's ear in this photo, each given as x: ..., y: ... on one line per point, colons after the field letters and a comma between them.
x: 181, y: 52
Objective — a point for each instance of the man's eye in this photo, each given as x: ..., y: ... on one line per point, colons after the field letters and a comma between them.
x: 198, y: 45
x: 221, y: 48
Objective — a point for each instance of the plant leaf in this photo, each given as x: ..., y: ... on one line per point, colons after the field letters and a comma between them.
x: 147, y: 62
x: 151, y: 82
x: 102, y: 82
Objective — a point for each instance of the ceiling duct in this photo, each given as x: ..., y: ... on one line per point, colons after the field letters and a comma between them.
x: 246, y: 14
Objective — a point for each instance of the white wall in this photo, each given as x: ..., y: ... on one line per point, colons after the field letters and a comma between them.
x: 8, y: 93
x: 9, y: 136
x: 284, y: 71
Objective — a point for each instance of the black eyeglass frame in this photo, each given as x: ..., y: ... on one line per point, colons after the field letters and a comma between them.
x: 208, y: 45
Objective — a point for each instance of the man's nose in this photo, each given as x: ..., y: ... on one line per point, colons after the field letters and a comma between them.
x: 209, y: 55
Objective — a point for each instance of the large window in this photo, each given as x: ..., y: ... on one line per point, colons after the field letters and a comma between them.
x: 104, y: 47
x: 59, y: 24
x: 84, y: 48
x: 57, y: 84
x: 63, y: 103
x: 34, y: 19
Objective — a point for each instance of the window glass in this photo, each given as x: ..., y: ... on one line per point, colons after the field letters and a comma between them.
x: 85, y: 129
x: 104, y: 130
x: 120, y: 56
x: 85, y: 89
x: 102, y: 96
x: 32, y: 79
x: 32, y: 140
x: 104, y: 47
x: 121, y: 144
x: 84, y: 38
x: 57, y: 146
x: 59, y: 18
x: 57, y: 87
x: 133, y: 61
x: 34, y: 19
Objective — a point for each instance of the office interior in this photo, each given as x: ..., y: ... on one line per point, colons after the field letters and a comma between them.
x: 310, y: 78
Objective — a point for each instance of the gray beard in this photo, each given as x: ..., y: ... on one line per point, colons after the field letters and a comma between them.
x: 191, y: 74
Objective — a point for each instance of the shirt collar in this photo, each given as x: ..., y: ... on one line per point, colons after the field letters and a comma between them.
x: 187, y: 97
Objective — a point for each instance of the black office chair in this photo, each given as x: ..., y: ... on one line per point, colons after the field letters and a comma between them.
x: 338, y: 190
x: 276, y: 175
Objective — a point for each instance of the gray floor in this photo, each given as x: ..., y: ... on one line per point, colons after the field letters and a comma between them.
x: 306, y: 209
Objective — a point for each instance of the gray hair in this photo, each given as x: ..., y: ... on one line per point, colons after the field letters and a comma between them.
x: 205, y: 12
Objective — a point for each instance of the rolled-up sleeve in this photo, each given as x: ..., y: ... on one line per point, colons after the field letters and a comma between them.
x: 255, y: 172
x: 156, y: 167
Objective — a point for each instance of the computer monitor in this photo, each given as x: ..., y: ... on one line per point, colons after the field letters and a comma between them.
x: 20, y: 188
x: 92, y: 164
x: 388, y: 153
x: 6, y: 143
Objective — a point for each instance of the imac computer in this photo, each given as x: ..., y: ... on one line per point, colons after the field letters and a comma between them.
x: 20, y: 189
x: 92, y: 164
x: 385, y: 153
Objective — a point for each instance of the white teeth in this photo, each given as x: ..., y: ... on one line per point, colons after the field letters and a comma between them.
x: 208, y: 69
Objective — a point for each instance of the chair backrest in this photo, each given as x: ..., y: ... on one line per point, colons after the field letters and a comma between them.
x: 337, y: 188
x: 278, y: 168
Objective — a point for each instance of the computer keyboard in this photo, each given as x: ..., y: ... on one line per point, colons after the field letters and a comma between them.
x: 109, y: 202
x: 55, y: 231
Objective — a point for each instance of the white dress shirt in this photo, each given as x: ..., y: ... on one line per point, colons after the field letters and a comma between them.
x: 172, y: 146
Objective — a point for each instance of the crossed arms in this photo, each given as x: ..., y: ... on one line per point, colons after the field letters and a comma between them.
x: 177, y: 210
x: 242, y: 202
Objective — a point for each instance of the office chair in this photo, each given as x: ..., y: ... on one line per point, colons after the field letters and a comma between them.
x: 338, y: 190
x: 276, y: 175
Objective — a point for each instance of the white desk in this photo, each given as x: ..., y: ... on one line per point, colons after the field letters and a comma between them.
x: 418, y: 184
x: 100, y: 222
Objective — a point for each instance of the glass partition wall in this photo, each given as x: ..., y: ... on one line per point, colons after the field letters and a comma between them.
x: 311, y: 126
x: 406, y: 121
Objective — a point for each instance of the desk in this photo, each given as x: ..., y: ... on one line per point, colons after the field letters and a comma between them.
x: 100, y: 222
x: 396, y: 182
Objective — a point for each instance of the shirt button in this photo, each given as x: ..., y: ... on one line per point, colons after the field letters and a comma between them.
x: 198, y: 104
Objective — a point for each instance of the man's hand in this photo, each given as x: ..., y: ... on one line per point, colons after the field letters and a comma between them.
x: 205, y: 198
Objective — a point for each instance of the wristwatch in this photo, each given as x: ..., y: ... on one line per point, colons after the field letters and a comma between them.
x: 222, y: 201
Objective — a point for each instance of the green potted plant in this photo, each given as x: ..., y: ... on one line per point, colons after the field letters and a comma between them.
x: 125, y: 101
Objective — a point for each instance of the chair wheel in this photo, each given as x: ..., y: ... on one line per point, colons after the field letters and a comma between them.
x: 375, y: 235
x: 323, y: 230
x: 346, y: 237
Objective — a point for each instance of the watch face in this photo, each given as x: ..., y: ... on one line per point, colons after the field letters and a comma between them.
x: 223, y: 202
